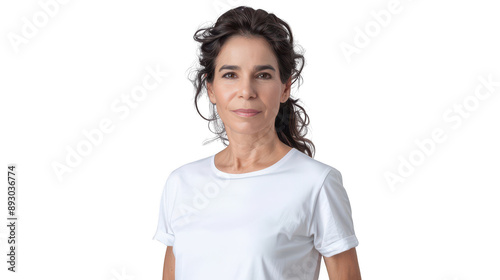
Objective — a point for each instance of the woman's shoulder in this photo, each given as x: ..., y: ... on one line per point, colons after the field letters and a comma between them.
x: 304, y: 161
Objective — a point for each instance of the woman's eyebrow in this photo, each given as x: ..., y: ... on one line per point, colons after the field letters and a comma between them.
x: 256, y: 68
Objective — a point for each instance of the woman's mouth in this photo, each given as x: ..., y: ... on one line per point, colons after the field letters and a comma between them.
x: 246, y: 112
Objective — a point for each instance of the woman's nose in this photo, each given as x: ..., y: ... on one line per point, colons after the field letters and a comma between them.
x: 247, y: 89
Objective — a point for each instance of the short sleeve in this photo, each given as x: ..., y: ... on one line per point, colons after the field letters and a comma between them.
x: 164, y: 232
x: 332, y: 224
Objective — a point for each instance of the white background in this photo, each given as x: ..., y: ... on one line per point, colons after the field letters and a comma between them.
x: 366, y: 109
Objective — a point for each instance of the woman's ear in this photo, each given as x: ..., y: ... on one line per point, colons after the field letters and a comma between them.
x: 210, y: 92
x: 286, y: 92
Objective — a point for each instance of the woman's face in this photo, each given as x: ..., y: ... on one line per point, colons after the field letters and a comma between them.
x: 247, y: 76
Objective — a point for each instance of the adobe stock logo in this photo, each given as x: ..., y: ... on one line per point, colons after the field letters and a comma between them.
x: 39, y: 19
x: 363, y: 37
x: 455, y: 116
x: 122, y: 106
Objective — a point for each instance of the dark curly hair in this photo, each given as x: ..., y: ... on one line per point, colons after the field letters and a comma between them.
x: 289, y: 124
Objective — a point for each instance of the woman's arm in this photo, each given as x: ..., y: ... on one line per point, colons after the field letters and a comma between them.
x: 169, y: 265
x: 343, y: 266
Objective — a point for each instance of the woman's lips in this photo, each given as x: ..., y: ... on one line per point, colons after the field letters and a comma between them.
x: 246, y: 113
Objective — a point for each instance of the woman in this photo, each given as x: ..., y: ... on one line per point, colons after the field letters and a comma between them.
x: 262, y: 208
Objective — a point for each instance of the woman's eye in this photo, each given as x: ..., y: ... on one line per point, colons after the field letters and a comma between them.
x: 268, y: 75
x: 225, y: 75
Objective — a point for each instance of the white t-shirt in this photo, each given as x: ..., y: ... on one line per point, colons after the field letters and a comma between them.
x: 269, y: 224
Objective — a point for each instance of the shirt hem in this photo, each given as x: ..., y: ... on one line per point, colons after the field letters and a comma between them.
x: 165, y: 238
x: 339, y: 246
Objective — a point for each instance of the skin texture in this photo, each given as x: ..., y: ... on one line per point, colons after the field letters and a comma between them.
x: 343, y: 266
x: 169, y: 264
x: 253, y: 142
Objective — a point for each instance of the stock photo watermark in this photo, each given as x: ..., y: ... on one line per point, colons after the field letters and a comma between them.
x: 363, y: 37
x: 454, y: 116
x: 304, y: 269
x: 201, y: 200
x: 31, y: 26
x: 122, y: 107
x: 121, y: 275
x: 12, y: 219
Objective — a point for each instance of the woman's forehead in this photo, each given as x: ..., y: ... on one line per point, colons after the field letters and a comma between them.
x: 246, y: 52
